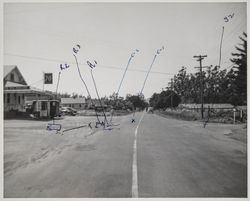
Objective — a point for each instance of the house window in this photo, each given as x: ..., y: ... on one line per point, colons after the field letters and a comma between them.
x: 12, y: 76
x: 8, y: 98
x: 19, y: 99
x: 80, y: 105
x: 44, y: 105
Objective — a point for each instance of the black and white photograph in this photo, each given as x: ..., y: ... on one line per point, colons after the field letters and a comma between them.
x: 124, y: 99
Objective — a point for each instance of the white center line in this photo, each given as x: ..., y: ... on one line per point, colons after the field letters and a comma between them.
x: 134, y: 167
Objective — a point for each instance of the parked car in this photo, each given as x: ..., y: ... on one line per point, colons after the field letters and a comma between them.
x: 68, y: 111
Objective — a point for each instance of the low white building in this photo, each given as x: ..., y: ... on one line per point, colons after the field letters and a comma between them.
x: 76, y: 103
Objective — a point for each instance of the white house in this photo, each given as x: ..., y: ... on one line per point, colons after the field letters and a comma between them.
x: 17, y: 93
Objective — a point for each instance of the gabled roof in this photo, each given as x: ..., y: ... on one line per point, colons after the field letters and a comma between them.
x: 31, y: 90
x: 73, y: 100
x: 242, y: 107
x: 14, y: 84
x: 7, y: 69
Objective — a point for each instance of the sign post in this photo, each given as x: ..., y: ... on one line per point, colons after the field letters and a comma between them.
x: 234, y: 110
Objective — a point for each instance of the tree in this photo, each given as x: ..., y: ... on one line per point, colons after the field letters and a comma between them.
x: 219, y: 86
x: 154, y: 100
x: 64, y: 95
x: 182, y: 84
x: 231, y: 91
x: 215, y: 85
x: 163, y: 100
x: 240, y: 66
x: 137, y: 100
x: 74, y: 95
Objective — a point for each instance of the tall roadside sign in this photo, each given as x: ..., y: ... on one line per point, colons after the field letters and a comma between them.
x: 48, y: 78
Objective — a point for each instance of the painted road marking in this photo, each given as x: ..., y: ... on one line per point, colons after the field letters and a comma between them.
x: 134, y: 167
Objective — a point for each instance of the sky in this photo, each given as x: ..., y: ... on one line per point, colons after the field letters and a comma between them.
x: 38, y: 37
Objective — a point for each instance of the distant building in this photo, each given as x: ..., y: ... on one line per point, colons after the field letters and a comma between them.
x: 95, y: 103
x: 17, y: 94
x: 215, y: 106
x: 76, y: 103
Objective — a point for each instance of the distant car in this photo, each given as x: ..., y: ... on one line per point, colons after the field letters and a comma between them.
x: 150, y: 110
x: 68, y: 111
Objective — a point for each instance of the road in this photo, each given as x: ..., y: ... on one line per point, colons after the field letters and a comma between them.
x: 170, y: 158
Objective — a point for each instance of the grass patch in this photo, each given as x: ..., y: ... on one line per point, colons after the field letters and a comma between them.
x: 181, y: 114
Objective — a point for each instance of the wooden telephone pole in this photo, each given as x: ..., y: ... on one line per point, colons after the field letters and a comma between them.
x: 172, y: 86
x: 200, y: 58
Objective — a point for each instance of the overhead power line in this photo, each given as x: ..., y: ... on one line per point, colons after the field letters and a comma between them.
x: 101, y: 66
x: 38, y: 81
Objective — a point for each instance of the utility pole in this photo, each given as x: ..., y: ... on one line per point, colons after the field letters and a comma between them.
x: 171, y: 93
x: 200, y: 58
x: 43, y: 81
x: 58, y: 83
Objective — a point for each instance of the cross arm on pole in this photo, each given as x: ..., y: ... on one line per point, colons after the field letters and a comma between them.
x: 200, y: 57
x: 203, y: 67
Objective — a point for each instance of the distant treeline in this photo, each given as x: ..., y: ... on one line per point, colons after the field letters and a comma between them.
x: 220, y: 86
x: 120, y: 103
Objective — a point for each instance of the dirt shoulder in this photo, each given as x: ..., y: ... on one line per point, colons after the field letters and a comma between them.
x: 234, y: 131
x: 239, y: 134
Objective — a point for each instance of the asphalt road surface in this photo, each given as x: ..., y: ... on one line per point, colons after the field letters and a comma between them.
x: 153, y: 157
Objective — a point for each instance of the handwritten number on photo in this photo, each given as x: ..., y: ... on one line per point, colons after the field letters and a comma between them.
x: 76, y: 48
x: 227, y: 18
x: 64, y: 67
x: 91, y: 65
